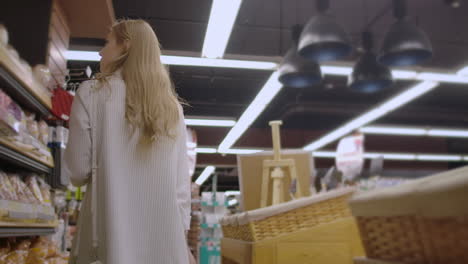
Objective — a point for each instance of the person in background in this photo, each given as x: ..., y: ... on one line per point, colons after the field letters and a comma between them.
x: 140, y: 206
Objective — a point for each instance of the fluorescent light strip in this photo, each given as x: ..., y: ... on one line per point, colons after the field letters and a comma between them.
x: 211, y: 150
x: 439, y: 157
x: 384, y: 130
x: 440, y: 77
x: 241, y: 151
x: 388, y: 106
x: 463, y: 71
x: 218, y: 63
x: 209, y: 122
x: 205, y: 150
x: 398, y: 156
x: 263, y: 98
x: 414, y: 131
x: 461, y: 76
x: 205, y: 175
x: 324, y: 154
x: 183, y: 61
x: 222, y: 17
x: 367, y: 155
x: 447, y: 133
x: 78, y: 55
x: 390, y: 156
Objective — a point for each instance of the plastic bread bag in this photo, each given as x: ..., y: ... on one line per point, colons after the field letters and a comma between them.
x: 16, y: 257
x: 33, y: 185
x: 43, y: 132
x: 23, y: 192
x: 7, y: 192
x: 32, y: 126
x: 45, y: 190
x: 10, y: 189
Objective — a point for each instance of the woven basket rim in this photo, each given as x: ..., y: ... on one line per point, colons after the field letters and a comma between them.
x: 263, y: 213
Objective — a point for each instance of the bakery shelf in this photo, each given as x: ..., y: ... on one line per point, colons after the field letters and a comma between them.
x: 11, y: 153
x: 8, y: 229
x: 21, y: 87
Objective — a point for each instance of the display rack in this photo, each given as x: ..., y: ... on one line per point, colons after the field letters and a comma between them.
x: 8, y: 229
x: 8, y: 152
x: 23, y: 89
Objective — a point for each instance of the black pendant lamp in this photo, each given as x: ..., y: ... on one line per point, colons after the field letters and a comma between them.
x: 296, y: 71
x: 323, y: 39
x: 368, y: 75
x: 405, y: 44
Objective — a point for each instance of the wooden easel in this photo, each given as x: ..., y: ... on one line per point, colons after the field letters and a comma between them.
x: 274, y: 169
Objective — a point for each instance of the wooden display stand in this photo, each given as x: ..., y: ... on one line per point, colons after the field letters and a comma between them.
x: 275, y: 167
x: 336, y: 242
x: 251, y: 172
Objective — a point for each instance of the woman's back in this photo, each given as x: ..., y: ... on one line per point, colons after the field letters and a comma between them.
x: 142, y: 194
x: 127, y: 134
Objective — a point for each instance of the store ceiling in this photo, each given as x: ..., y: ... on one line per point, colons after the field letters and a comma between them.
x: 263, y: 29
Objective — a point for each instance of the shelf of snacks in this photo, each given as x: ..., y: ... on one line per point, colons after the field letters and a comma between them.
x: 25, y: 156
x: 18, y: 77
x: 25, y: 206
x: 23, y: 139
x: 34, y: 250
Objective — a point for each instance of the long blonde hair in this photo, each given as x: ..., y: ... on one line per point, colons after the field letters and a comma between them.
x: 151, y: 104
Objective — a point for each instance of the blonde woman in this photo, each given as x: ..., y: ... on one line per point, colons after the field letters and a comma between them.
x: 127, y: 129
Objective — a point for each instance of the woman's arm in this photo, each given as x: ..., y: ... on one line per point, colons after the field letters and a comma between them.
x: 183, y: 176
x: 77, y: 157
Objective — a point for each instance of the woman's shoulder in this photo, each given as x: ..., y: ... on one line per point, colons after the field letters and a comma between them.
x: 85, y: 90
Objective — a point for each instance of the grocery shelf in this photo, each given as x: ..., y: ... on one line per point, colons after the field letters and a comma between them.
x: 10, y: 153
x: 14, y: 81
x: 8, y: 229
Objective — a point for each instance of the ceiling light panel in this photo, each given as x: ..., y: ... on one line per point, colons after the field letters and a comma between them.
x: 222, y: 17
x: 388, y: 106
x: 209, y: 122
x: 205, y: 175
x: 263, y: 98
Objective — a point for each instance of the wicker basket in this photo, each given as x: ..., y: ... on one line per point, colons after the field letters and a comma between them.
x: 273, y: 221
x: 424, y: 221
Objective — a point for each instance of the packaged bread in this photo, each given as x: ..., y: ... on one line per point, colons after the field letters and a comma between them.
x: 23, y: 244
x: 45, y: 190
x: 22, y: 190
x: 7, y: 192
x: 33, y: 185
x: 43, y: 132
x: 3, y: 35
x: 32, y: 126
x: 16, y: 257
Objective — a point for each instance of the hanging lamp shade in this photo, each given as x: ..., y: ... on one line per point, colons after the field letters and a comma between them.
x: 324, y: 40
x: 295, y: 71
x: 405, y: 44
x: 368, y: 75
